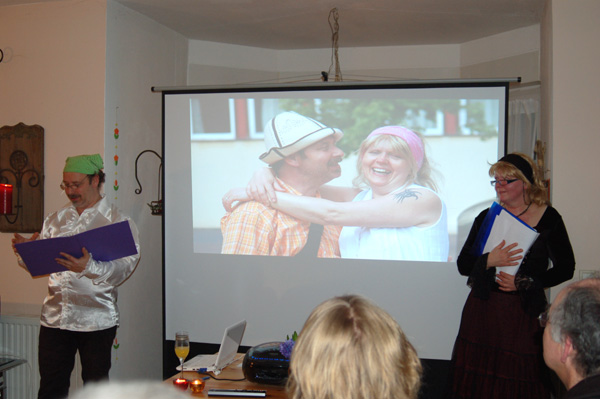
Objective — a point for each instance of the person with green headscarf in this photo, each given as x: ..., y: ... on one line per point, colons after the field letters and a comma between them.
x: 80, y: 312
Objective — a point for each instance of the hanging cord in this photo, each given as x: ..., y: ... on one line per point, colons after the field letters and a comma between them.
x: 335, y: 29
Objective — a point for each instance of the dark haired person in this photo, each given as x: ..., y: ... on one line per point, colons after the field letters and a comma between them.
x: 80, y: 312
x: 304, y: 155
x: 572, y: 338
x: 498, y: 351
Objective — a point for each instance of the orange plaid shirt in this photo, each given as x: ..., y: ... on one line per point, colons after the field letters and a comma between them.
x: 255, y: 229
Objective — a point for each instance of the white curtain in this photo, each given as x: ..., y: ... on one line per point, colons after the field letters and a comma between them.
x: 523, y: 119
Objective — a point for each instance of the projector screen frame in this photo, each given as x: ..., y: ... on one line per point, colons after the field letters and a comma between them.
x: 166, y: 91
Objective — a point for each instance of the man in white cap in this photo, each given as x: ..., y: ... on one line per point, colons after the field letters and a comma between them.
x: 572, y: 338
x: 80, y: 312
x: 304, y: 155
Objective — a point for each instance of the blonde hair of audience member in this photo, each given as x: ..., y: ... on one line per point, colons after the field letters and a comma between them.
x: 349, y: 348
x: 129, y: 390
x: 536, y: 190
x: 421, y: 176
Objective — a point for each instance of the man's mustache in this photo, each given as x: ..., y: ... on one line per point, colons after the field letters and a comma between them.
x: 335, y: 161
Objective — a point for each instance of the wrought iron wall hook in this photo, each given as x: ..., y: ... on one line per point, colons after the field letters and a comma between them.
x: 156, y: 207
x: 18, y: 162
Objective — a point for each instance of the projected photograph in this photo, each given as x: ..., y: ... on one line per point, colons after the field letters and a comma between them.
x: 398, y: 183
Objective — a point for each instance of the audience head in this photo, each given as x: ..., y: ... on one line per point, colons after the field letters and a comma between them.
x: 349, y: 348
x: 572, y: 336
x: 129, y: 390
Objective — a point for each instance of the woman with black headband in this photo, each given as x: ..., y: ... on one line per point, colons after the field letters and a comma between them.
x: 498, y: 351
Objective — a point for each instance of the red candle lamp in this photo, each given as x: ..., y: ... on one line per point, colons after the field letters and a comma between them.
x: 6, y: 191
x: 181, y: 383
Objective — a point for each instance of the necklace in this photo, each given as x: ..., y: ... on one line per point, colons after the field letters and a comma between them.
x: 526, y: 209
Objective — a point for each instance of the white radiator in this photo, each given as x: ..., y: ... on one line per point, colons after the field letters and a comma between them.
x: 19, y: 339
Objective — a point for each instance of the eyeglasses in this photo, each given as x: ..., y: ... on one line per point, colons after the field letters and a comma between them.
x: 73, y: 186
x: 544, y: 318
x: 502, y: 182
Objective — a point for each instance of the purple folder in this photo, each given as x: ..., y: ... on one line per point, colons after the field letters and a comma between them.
x: 105, y: 243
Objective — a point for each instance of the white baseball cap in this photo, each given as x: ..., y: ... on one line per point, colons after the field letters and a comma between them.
x: 290, y: 132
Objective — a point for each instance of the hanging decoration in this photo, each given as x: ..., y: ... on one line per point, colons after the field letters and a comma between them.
x: 335, y: 32
x: 116, y: 348
x: 116, y: 157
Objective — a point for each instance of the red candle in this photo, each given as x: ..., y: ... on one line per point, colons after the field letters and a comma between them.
x: 6, y: 198
x: 181, y: 383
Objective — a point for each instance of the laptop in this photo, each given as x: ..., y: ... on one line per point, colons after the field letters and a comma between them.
x: 232, y: 338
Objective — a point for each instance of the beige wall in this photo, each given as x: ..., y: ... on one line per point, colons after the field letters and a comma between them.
x: 272, y: 66
x: 52, y: 75
x: 70, y: 66
x: 507, y: 55
x: 575, y: 118
x: 132, y: 69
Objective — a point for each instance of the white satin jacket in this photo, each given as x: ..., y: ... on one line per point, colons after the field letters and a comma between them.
x: 86, y: 301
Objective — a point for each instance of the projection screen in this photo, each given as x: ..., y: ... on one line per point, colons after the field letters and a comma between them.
x: 212, y: 139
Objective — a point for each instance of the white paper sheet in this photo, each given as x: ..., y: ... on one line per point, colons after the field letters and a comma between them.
x: 509, y: 228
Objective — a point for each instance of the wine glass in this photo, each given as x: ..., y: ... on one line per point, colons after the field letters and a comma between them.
x: 182, y: 347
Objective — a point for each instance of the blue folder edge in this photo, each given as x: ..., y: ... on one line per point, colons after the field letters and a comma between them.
x: 486, y: 227
x: 106, y: 243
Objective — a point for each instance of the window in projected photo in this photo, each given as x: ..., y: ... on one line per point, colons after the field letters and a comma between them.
x: 237, y: 119
x: 227, y: 139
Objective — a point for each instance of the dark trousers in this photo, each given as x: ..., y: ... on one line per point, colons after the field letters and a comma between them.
x: 57, y: 349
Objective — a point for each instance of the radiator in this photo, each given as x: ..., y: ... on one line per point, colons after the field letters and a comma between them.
x: 19, y: 338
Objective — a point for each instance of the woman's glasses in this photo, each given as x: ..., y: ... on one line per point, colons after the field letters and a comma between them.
x: 544, y: 319
x: 502, y: 182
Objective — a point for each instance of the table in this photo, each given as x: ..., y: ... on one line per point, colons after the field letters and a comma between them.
x: 234, y: 372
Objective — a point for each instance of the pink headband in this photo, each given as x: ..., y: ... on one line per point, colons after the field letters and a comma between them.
x: 414, y: 142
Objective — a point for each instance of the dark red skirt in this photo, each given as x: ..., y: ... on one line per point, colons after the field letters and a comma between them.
x: 498, y: 352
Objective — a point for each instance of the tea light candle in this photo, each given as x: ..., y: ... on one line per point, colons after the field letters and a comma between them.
x: 6, y: 191
x: 197, y: 386
x: 181, y: 383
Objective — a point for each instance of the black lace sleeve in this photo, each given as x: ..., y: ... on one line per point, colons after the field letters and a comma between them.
x: 535, y: 275
x: 560, y: 253
x: 553, y: 245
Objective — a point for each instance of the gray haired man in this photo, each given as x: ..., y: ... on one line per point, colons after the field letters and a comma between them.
x: 572, y: 338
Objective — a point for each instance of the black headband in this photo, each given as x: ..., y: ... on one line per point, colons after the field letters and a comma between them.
x: 519, y: 163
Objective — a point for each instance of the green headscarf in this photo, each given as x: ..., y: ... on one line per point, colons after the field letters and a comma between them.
x: 86, y: 164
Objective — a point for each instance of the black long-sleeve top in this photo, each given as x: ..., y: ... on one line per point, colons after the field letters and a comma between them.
x: 533, y: 276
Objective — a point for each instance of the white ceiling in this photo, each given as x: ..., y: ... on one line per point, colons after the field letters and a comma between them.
x: 303, y: 24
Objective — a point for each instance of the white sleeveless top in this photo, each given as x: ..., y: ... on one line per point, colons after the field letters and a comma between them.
x: 407, y: 243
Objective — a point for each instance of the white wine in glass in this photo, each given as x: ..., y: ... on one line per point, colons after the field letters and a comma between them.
x: 182, y: 347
